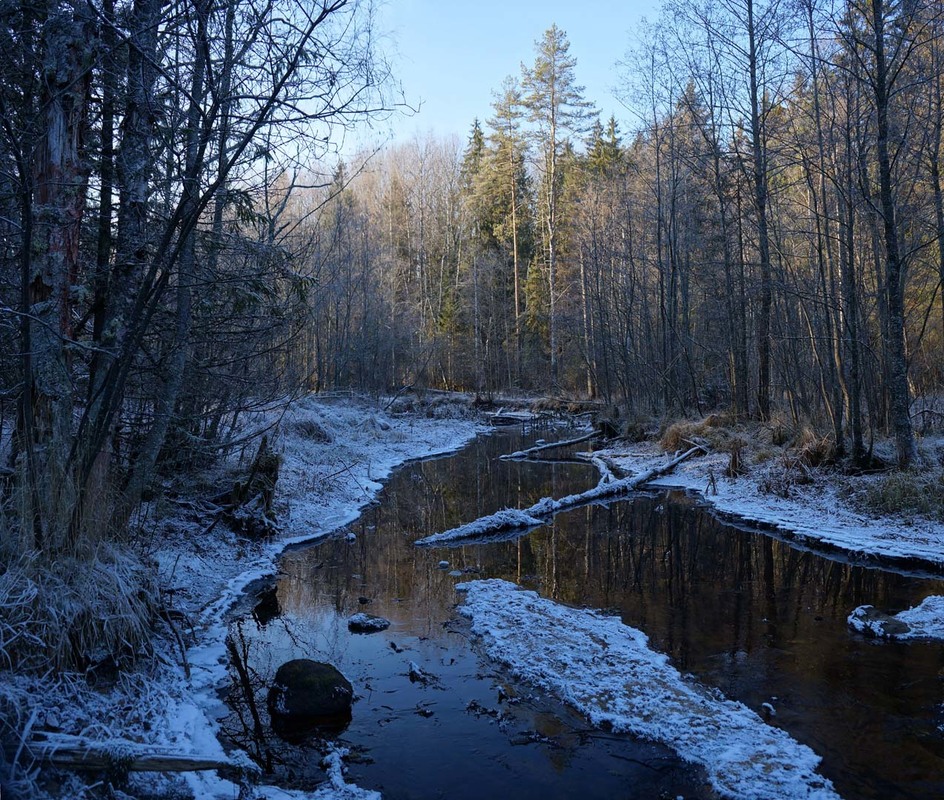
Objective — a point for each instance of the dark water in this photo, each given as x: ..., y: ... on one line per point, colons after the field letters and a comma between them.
x: 740, y: 610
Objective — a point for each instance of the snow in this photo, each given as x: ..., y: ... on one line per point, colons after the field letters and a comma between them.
x: 607, y: 671
x: 924, y: 621
x: 367, y: 623
x: 335, y: 788
x: 335, y: 452
x: 815, y: 513
x: 509, y: 519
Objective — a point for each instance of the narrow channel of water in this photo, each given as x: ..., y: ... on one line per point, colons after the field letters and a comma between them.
x: 740, y: 610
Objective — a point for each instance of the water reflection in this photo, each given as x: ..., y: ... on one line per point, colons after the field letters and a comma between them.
x: 760, y: 620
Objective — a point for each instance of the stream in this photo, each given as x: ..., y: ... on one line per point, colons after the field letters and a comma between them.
x: 740, y: 610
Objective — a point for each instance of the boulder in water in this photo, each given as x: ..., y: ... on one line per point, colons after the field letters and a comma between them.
x: 367, y: 623
x: 309, y: 694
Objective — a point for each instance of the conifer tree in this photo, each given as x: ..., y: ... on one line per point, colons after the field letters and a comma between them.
x: 556, y: 107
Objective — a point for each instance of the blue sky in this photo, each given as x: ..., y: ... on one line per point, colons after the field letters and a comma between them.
x: 451, y: 56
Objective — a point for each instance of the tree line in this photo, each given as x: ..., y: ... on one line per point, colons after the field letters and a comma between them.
x: 767, y: 237
x: 153, y: 285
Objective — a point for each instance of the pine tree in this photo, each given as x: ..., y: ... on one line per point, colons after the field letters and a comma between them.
x: 556, y: 106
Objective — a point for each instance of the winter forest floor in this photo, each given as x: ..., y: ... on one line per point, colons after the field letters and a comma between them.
x: 335, y: 452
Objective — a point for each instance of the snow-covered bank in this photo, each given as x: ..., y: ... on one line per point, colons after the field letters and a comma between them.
x: 818, y: 512
x: 607, y: 671
x: 334, y: 452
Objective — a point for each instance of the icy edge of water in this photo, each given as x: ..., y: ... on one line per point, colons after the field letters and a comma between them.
x: 817, y: 513
x: 326, y: 480
x: 606, y: 670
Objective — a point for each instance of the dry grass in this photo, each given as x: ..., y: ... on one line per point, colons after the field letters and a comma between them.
x: 909, y: 493
x: 74, y: 612
x: 813, y: 450
x: 719, y: 432
x: 306, y: 428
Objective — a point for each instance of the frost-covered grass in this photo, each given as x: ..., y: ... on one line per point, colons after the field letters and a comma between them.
x: 74, y: 611
x: 607, y: 671
x: 912, y: 494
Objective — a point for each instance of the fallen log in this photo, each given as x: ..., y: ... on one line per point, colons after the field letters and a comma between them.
x: 79, y: 752
x: 511, y: 417
x: 543, y: 448
x: 541, y: 512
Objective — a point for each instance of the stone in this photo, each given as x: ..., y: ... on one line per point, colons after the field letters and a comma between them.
x: 872, y: 622
x: 367, y: 623
x: 307, y: 694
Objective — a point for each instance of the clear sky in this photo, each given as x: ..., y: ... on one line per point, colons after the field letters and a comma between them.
x: 450, y: 55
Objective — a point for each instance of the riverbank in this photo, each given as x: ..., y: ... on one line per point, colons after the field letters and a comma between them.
x: 335, y: 452
x: 811, y: 505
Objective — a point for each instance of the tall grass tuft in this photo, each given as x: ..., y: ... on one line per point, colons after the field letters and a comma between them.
x: 910, y: 493
x: 73, y: 612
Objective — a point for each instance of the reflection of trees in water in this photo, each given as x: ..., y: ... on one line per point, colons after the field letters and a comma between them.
x: 743, y: 611
x: 291, y: 760
x: 696, y: 585
x: 686, y: 577
x: 244, y: 726
x: 403, y: 582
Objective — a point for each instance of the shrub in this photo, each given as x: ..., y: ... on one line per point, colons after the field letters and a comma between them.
x: 813, y: 450
x: 713, y: 431
x: 309, y: 429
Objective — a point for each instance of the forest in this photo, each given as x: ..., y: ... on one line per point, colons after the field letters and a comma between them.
x: 179, y: 246
x: 186, y: 240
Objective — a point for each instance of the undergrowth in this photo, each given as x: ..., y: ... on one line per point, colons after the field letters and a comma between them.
x: 910, y: 493
x: 716, y: 431
x: 68, y: 622
x: 125, y: 712
x: 72, y: 612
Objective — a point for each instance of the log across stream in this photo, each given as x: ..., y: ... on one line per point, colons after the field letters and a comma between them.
x: 739, y: 610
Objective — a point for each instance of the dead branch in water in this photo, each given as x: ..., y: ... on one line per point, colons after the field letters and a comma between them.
x: 79, y: 752
x: 543, y: 448
x: 541, y: 512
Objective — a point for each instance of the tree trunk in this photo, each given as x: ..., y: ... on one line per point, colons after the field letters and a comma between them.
x: 894, y: 268
x: 60, y: 190
x: 763, y: 241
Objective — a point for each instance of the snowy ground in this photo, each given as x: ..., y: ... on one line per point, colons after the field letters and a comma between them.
x: 607, y: 671
x: 815, y: 513
x: 335, y: 453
